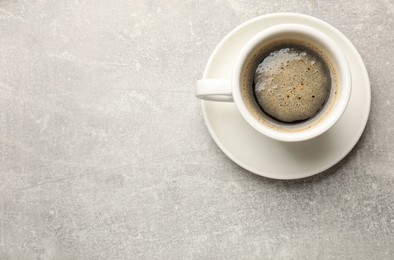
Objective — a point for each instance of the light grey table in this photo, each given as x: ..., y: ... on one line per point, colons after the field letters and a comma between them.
x: 104, y: 153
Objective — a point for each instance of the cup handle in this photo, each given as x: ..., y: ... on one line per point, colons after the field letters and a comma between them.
x: 214, y: 90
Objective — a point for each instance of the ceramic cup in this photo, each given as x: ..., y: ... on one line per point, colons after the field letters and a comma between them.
x: 229, y: 90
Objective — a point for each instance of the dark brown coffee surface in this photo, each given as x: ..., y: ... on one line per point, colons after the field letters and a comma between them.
x: 292, y: 83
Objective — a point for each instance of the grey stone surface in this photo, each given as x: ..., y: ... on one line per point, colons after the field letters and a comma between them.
x: 104, y: 153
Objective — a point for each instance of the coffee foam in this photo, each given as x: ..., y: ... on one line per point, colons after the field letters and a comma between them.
x: 300, y: 105
x: 292, y: 84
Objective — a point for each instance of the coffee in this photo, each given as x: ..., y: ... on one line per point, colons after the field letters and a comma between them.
x: 292, y: 83
x: 289, y: 84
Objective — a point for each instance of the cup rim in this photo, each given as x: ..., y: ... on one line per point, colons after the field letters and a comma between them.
x: 344, y: 77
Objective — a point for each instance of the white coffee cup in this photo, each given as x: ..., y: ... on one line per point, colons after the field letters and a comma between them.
x: 229, y: 90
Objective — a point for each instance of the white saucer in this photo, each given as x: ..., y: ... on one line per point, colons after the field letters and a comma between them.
x: 280, y: 160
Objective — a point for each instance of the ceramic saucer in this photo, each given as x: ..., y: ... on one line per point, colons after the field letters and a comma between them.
x: 280, y: 160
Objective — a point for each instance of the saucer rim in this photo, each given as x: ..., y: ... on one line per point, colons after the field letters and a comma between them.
x: 357, y: 57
